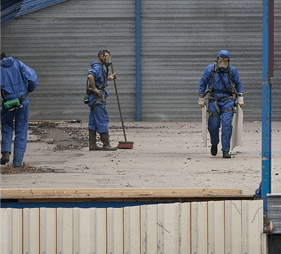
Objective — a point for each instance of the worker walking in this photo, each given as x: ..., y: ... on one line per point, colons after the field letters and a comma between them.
x: 225, y: 90
x: 17, y: 80
x: 98, y: 119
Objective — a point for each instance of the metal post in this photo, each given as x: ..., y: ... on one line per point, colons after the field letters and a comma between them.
x: 267, y: 73
x: 138, y: 59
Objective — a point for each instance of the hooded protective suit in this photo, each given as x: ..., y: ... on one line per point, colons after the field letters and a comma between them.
x: 220, y: 108
x: 17, y: 79
x: 98, y: 118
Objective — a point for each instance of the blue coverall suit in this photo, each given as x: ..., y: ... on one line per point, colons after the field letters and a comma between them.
x: 225, y: 114
x: 17, y: 79
x: 98, y: 118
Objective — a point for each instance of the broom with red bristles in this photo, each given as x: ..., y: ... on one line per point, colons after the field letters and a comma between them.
x: 122, y: 144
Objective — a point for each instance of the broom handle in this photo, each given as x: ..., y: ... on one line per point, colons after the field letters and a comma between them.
x: 118, y: 104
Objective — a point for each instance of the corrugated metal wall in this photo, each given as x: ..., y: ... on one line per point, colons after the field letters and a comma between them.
x: 61, y: 41
x: 222, y: 227
x: 178, y: 40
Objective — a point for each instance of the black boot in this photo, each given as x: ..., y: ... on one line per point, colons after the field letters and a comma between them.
x: 93, y: 141
x: 5, y: 158
x: 214, y: 150
x: 226, y: 154
x: 106, y: 144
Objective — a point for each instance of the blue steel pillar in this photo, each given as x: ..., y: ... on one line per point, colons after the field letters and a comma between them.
x: 267, y: 73
x: 138, y: 59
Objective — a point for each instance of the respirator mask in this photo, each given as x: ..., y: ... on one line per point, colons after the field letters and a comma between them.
x: 222, y: 62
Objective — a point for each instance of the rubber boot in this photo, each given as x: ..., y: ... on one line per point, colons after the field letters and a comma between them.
x: 106, y: 144
x: 226, y: 154
x: 214, y: 150
x: 93, y: 141
x: 5, y: 158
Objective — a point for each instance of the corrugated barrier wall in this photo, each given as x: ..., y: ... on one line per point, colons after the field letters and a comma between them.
x: 213, y: 227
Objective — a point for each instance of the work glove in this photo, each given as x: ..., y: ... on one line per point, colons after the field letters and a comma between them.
x: 98, y: 92
x: 201, y: 102
x: 113, y: 76
x: 240, y: 100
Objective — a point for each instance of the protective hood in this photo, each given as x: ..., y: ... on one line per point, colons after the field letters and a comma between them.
x: 223, y: 53
x: 7, y: 62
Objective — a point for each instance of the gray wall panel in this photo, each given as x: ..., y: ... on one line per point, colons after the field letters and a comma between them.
x: 61, y: 41
x: 178, y: 40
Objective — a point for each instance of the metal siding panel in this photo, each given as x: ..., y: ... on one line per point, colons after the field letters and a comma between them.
x: 180, y: 38
x: 31, y: 230
x: 4, y: 229
x: 252, y: 226
x: 233, y: 228
x: 115, y: 235
x: 132, y: 230
x: 65, y: 40
x: 48, y: 227
x: 12, y: 219
x: 216, y: 227
x: 98, y: 230
x: 64, y: 230
x: 149, y: 229
x: 199, y: 224
x: 185, y: 230
x: 89, y: 230
x: 173, y: 236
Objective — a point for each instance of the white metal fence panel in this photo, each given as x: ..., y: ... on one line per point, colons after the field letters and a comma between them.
x: 11, y: 231
x: 132, y: 230
x: 233, y: 221
x: 149, y: 235
x: 252, y: 214
x: 215, y: 227
x: 199, y: 231
x: 3, y: 231
x: 31, y: 230
x: 64, y: 230
x: 115, y: 222
x: 48, y: 230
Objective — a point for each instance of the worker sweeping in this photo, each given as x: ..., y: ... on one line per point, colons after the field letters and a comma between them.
x: 17, y: 81
x: 225, y: 91
x: 98, y: 118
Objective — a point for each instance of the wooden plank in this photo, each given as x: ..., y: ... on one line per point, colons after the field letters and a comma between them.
x: 116, y: 193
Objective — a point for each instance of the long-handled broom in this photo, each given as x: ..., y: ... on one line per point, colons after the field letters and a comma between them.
x: 126, y: 144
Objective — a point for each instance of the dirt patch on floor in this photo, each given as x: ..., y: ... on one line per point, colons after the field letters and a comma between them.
x: 63, y: 137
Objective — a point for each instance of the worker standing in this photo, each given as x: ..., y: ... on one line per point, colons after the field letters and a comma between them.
x: 225, y: 89
x: 17, y: 80
x: 98, y: 119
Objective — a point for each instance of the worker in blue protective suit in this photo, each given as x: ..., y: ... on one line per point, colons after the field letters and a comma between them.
x: 17, y: 80
x: 225, y: 90
x: 98, y: 118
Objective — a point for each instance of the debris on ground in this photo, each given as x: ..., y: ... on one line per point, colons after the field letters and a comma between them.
x: 23, y: 169
x: 62, y: 136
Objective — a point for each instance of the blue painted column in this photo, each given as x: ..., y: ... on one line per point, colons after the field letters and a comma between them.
x: 138, y: 59
x: 267, y: 73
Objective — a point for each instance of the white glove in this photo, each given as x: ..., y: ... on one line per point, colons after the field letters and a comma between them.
x: 201, y: 102
x: 113, y: 76
x: 240, y: 101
